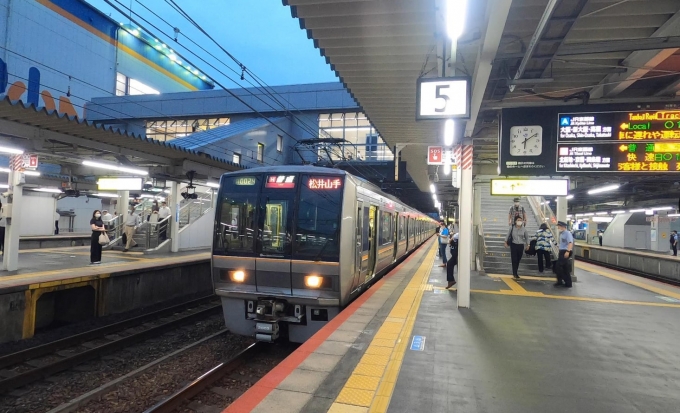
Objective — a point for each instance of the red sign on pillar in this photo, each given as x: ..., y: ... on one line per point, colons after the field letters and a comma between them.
x: 435, y: 155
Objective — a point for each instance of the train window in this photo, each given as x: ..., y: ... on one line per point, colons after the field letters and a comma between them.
x: 318, y: 222
x: 402, y: 230
x: 235, y: 220
x: 276, y: 225
x: 386, y: 228
x: 365, y: 240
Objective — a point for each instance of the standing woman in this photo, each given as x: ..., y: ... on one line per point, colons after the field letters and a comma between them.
x: 518, y: 241
x: 544, y: 245
x: 97, y: 226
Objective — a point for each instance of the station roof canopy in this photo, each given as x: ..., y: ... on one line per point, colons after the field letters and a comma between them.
x: 517, y: 52
x: 67, y: 141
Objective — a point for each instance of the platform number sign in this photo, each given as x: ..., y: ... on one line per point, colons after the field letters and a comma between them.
x: 443, y: 98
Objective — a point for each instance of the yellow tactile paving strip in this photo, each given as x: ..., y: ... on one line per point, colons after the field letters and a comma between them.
x: 370, y: 387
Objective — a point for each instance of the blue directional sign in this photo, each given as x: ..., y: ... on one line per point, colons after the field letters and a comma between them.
x: 418, y: 343
x: 565, y: 121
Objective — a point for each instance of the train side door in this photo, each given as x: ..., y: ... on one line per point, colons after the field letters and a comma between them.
x: 358, y: 250
x: 397, y: 233
x: 372, y: 240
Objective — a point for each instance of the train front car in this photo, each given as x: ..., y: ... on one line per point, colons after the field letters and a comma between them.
x: 276, y: 250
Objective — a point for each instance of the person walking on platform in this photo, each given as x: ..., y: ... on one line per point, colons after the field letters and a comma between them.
x: 544, y: 245
x: 56, y: 222
x: 131, y: 222
x: 674, y: 242
x: 443, y: 241
x: 163, y: 213
x: 516, y: 211
x: 518, y: 241
x: 97, y: 226
x: 452, y: 262
x: 566, y: 245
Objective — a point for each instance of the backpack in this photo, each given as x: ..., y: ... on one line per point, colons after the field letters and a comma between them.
x: 532, y: 248
x: 518, y: 212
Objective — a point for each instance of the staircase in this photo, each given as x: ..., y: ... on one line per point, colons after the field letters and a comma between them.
x: 494, y: 218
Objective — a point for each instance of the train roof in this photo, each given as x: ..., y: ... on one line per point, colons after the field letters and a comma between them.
x: 319, y: 170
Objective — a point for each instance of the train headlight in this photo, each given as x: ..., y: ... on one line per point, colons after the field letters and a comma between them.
x: 238, y: 276
x: 313, y: 281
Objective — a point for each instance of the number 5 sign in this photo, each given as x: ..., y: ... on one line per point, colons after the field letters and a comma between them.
x: 443, y: 98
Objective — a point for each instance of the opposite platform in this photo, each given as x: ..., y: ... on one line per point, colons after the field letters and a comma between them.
x: 608, y: 345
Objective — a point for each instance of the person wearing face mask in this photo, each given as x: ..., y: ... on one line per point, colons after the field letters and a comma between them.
x: 132, y: 219
x: 562, y: 267
x: 516, y: 211
x: 97, y: 226
x: 518, y: 241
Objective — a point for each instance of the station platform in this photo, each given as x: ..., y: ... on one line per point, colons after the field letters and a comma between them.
x: 59, y: 284
x: 609, y: 344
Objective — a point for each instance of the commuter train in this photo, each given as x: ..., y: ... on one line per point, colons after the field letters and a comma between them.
x: 293, y: 245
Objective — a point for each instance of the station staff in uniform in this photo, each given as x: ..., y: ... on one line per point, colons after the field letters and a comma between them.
x: 131, y: 222
x: 566, y: 245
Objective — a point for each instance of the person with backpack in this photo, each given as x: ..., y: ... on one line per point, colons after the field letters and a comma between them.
x: 544, y: 245
x: 517, y: 211
x: 452, y: 262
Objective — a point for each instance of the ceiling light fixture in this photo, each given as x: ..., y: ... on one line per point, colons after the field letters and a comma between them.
x: 570, y: 196
x: 49, y: 190
x: 455, y: 18
x: 607, y: 188
x: 5, y: 149
x: 448, y: 132
x: 115, y: 167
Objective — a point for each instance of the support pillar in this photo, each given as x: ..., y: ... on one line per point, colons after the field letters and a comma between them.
x: 173, y: 201
x: 122, y: 203
x: 10, y: 258
x: 466, y: 238
x: 561, y: 212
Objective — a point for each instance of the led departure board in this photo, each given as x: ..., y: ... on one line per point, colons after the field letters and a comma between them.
x: 635, y: 141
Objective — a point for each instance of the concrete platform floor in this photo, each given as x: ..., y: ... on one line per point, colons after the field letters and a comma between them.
x: 609, y: 344
x: 51, y: 264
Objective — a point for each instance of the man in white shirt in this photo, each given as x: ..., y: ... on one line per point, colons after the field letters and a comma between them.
x: 131, y: 221
x: 163, y: 213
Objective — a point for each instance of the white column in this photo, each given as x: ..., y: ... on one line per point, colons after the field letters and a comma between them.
x: 466, y: 238
x: 561, y: 208
x: 173, y: 202
x: 10, y: 258
x: 122, y: 203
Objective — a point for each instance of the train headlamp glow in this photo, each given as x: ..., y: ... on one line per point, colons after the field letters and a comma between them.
x: 313, y: 281
x: 238, y: 276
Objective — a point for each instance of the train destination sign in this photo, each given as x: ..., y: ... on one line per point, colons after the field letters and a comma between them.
x: 324, y: 183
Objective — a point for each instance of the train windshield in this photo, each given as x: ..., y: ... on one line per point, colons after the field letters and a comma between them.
x: 256, y: 216
x: 318, y: 225
x: 235, y: 225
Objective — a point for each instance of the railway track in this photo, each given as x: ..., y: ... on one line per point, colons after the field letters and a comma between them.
x: 31, y: 369
x: 204, y: 381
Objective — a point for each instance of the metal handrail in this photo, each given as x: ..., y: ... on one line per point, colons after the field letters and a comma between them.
x: 195, y: 208
x: 547, y: 216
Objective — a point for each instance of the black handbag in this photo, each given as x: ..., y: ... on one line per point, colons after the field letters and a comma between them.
x: 509, y: 240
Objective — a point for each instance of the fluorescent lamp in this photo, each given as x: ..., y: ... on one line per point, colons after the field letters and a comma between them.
x: 604, y: 189
x: 603, y: 219
x: 448, y: 132
x: 590, y: 214
x: 50, y: 190
x: 618, y: 212
x: 5, y: 170
x: 4, y: 186
x: 119, y: 184
x: 662, y: 209
x: 649, y: 212
x: 432, y: 188
x: 212, y: 184
x: 601, y: 213
x: 570, y: 196
x: 670, y: 215
x: 632, y: 211
x: 115, y: 167
x: 455, y: 18
x: 104, y: 195
x: 5, y: 149
x: 31, y: 173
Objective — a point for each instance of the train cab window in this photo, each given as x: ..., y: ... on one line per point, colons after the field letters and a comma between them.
x: 275, y: 220
x: 235, y: 218
x: 318, y: 219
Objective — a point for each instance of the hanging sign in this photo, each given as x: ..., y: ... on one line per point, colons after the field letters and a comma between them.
x: 443, y: 98
x: 435, y: 155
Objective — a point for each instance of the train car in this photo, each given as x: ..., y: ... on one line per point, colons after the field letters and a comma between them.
x: 293, y: 245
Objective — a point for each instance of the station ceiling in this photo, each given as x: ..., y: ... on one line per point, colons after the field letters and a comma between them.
x: 519, y: 53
